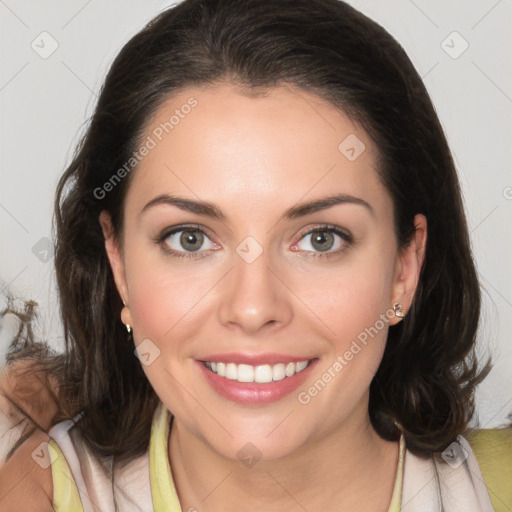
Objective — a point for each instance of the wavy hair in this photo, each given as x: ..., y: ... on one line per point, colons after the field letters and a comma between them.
x: 425, y: 384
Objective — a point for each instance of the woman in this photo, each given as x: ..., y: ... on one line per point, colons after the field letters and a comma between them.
x: 265, y: 208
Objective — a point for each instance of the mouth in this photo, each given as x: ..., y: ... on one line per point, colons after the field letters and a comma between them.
x: 255, y: 384
x: 261, y: 374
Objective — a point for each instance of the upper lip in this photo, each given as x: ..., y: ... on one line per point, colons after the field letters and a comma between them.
x: 254, y: 359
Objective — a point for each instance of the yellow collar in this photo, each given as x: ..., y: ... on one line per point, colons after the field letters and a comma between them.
x: 396, y: 498
x: 163, y: 491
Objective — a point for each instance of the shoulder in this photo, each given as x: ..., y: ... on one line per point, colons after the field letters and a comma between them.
x: 47, y: 464
x: 449, y: 480
x: 27, y: 405
x: 82, y: 479
x: 26, y: 412
x: 26, y: 483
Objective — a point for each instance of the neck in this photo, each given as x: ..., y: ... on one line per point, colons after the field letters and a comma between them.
x: 352, y: 466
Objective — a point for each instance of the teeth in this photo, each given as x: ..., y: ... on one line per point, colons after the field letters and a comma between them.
x: 231, y: 372
x: 300, y: 366
x: 260, y: 374
x: 263, y: 373
x: 290, y: 369
x: 245, y: 373
x: 278, y: 372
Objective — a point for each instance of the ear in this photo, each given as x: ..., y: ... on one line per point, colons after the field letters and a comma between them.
x: 408, y: 267
x: 114, y: 255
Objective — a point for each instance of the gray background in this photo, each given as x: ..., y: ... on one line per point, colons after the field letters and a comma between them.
x: 46, y: 99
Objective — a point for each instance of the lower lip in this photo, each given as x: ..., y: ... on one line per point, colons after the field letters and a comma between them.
x: 252, y: 393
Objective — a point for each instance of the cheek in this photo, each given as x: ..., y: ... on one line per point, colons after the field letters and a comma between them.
x: 161, y: 293
x: 162, y: 303
x: 355, y: 307
x: 350, y: 298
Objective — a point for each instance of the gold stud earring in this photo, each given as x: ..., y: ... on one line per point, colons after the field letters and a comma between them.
x: 128, y: 328
x: 398, y: 309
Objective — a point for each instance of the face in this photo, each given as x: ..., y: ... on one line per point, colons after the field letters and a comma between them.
x: 221, y: 262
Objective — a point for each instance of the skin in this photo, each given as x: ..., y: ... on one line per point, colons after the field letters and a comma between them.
x: 255, y: 157
x: 32, y: 416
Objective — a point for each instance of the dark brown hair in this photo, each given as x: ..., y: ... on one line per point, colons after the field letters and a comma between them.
x: 429, y: 371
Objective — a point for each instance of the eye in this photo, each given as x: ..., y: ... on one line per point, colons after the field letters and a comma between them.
x: 325, y: 240
x: 184, y: 241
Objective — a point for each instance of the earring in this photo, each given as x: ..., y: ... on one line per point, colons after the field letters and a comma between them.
x: 398, y: 309
x: 125, y: 312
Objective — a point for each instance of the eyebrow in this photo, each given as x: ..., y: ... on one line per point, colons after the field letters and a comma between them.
x: 211, y: 210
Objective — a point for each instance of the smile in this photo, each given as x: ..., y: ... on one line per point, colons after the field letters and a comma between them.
x: 260, y: 374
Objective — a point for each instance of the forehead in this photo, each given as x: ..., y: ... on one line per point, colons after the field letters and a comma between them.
x: 288, y: 144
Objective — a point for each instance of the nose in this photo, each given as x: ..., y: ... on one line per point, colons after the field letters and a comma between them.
x: 255, y: 297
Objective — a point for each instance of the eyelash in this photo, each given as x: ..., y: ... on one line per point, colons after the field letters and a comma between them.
x: 343, y: 234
